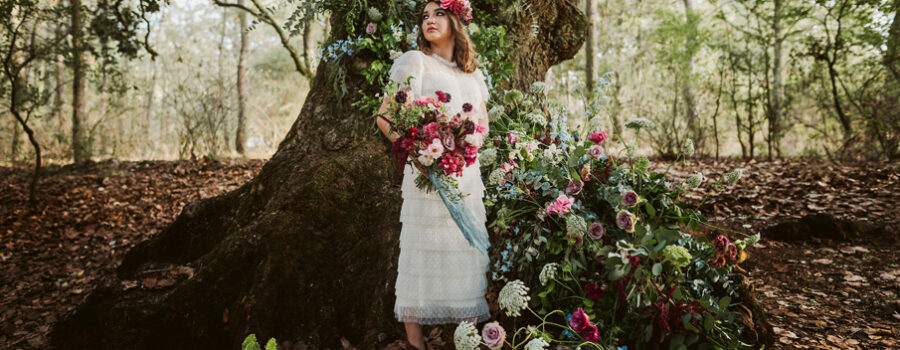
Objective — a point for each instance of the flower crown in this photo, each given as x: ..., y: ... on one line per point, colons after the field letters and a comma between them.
x: 461, y: 8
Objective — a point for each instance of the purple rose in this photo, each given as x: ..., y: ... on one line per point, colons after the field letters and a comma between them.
x: 579, y: 320
x: 596, y: 230
x: 596, y: 151
x: 574, y: 187
x: 493, y: 335
x: 630, y: 199
x: 625, y: 220
x: 370, y: 28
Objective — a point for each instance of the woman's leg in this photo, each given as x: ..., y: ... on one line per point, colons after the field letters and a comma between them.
x: 414, y: 335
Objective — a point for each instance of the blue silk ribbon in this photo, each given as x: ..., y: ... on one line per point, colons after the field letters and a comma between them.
x: 475, y: 232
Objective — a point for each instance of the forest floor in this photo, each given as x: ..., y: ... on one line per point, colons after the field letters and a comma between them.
x: 820, y: 293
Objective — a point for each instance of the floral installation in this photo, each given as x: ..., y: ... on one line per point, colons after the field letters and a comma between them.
x: 592, y: 245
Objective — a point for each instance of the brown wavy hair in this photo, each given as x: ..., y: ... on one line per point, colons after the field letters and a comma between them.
x: 463, y: 50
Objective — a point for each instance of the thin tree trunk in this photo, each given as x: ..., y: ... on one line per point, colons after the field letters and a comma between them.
x: 589, y: 47
x: 776, y: 123
x: 690, y: 105
x: 240, y: 135
x: 80, y: 150
x: 716, y: 112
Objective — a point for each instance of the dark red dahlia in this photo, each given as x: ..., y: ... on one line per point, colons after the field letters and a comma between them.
x: 467, y: 107
x: 400, y: 97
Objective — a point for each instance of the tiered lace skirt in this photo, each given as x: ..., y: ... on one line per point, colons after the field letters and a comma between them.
x: 440, y: 277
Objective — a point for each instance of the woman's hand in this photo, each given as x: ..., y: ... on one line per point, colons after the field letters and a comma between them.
x: 383, y: 121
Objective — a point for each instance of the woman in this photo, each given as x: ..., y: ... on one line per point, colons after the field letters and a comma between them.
x: 440, y: 277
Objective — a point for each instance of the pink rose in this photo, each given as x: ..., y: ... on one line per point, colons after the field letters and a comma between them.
x: 512, y: 138
x: 598, y: 137
x: 370, y: 28
x: 493, y: 335
x: 596, y: 151
x: 579, y: 320
x: 721, y: 242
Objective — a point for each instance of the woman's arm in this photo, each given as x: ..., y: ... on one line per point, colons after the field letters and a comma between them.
x: 383, y: 124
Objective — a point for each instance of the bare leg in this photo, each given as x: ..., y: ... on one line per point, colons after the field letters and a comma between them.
x: 414, y: 335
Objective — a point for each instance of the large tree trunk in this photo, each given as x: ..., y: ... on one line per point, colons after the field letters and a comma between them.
x: 241, y: 135
x: 79, y: 144
x: 307, y: 250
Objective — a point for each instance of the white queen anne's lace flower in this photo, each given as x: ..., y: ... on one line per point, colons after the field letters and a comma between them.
x: 688, y: 147
x: 536, y: 118
x: 734, y: 176
x: 496, y: 175
x: 466, y: 336
x: 537, y: 344
x: 514, y: 298
x: 694, y: 181
x: 547, y: 273
x: 538, y: 88
x: 488, y: 155
x: 639, y: 123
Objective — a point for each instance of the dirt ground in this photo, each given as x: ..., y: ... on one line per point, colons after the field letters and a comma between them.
x: 821, y: 293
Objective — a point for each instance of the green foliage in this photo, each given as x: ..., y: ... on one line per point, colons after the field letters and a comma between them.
x: 250, y: 343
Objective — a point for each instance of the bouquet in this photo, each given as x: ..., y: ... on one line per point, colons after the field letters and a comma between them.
x: 440, y: 146
x: 431, y: 140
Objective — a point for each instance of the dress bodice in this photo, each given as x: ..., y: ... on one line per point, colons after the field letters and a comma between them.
x: 431, y: 73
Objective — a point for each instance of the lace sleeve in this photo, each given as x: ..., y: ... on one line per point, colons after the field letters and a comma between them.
x: 410, y: 64
x: 482, y: 85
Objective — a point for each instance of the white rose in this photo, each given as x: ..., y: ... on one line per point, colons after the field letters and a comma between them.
x: 475, y: 139
x: 426, y: 160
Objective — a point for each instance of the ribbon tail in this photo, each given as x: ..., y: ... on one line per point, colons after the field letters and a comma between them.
x: 474, y: 232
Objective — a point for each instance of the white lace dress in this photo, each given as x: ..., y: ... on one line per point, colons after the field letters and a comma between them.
x: 440, y: 277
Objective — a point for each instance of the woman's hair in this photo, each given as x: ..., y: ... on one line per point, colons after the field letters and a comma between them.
x: 463, y: 49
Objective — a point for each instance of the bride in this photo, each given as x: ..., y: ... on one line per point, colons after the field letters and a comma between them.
x: 440, y: 277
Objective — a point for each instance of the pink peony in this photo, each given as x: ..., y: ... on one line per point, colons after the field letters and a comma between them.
x: 493, y: 335
x: 579, y: 320
x: 561, y: 206
x: 630, y: 199
x: 509, y: 166
x: 512, y: 138
x: 370, y: 28
x: 596, y: 151
x: 590, y: 333
x: 598, y: 137
x: 596, y: 230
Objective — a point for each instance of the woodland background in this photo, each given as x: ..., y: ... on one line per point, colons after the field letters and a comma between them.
x: 742, y: 78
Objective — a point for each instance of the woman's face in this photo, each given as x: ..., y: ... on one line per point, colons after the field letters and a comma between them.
x: 435, y: 23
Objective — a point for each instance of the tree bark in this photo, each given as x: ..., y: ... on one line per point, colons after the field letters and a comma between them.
x: 80, y: 150
x: 240, y: 135
x: 892, y: 55
x: 307, y: 250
